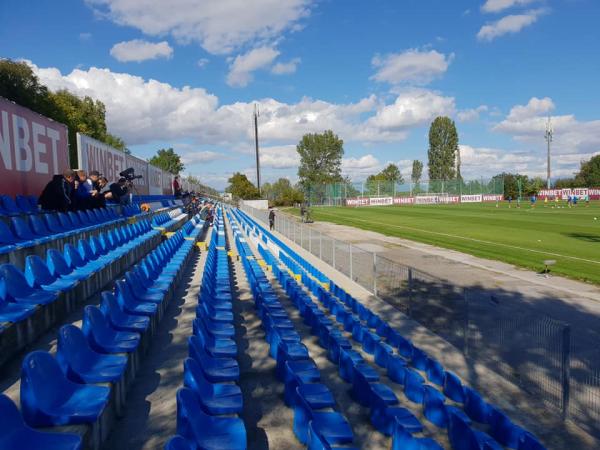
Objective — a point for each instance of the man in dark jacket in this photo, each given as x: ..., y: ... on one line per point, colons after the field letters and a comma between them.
x: 58, y: 195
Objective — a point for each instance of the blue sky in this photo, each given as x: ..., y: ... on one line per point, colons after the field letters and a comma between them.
x: 187, y: 73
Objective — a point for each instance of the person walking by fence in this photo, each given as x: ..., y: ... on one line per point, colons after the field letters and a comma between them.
x: 271, y: 219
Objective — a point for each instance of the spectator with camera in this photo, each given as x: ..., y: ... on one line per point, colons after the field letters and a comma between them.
x: 120, y: 191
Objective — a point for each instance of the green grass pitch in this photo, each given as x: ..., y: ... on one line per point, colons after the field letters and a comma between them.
x: 521, y: 236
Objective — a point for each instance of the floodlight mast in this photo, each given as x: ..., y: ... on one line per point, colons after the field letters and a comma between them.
x: 256, y: 114
x: 548, y: 136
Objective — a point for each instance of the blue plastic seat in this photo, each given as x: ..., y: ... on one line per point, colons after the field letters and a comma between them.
x: 404, y: 440
x: 436, y: 411
x: 179, y: 443
x: 38, y: 276
x: 331, y: 425
x: 435, y: 372
x: 21, y: 229
x: 8, y: 240
x: 58, y: 267
x: 503, y: 429
x: 15, y: 433
x: 215, y: 369
x: 453, y: 388
x: 24, y: 204
x: 19, y: 290
x: 215, y: 398
x: 129, y: 304
x: 206, y: 431
x: 13, y: 312
x: 48, y: 398
x: 475, y: 406
x: 81, y: 364
x: 54, y: 225
x: 102, y: 337
x: 413, y: 386
x: 219, y: 347
x: 38, y: 226
x: 463, y: 437
x: 396, y: 369
x: 118, y: 318
x: 76, y: 263
x: 9, y: 206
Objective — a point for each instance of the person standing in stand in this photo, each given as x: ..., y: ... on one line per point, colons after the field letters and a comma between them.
x: 176, y: 187
x: 271, y: 219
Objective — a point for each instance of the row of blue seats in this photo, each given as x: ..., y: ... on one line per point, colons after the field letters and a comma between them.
x: 22, y: 204
x: 439, y: 413
x: 385, y: 413
x: 209, y: 402
x: 64, y: 389
x: 168, y: 220
x: 35, y: 299
x: 44, y: 228
x: 316, y: 421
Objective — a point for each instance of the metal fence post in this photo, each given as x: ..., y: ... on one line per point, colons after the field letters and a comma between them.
x: 410, y: 291
x: 350, y: 252
x: 466, y: 323
x: 321, y: 246
x: 374, y: 273
x: 566, y: 370
x: 301, y: 233
x: 310, y: 240
x: 333, y: 246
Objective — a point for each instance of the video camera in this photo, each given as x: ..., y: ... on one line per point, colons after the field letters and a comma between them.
x: 129, y: 174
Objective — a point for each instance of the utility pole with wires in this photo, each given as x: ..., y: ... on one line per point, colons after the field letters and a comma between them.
x: 256, y: 114
x: 548, y: 136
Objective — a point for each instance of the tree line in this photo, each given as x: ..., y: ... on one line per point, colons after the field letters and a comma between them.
x: 84, y: 115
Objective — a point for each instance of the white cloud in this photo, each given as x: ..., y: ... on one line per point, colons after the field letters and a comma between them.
x: 220, y: 27
x: 202, y: 62
x: 358, y: 168
x: 203, y: 156
x: 279, y: 157
x: 486, y: 162
x: 527, y: 125
x: 413, y: 108
x: 142, y: 111
x: 495, y: 6
x: 509, y: 24
x: 411, y: 66
x: 241, y: 68
x: 139, y: 50
x: 472, y: 114
x: 286, y: 68
x: 85, y: 36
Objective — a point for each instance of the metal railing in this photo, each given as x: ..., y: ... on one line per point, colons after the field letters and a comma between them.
x: 516, y: 341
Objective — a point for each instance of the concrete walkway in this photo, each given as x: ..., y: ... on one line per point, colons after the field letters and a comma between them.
x: 150, y: 415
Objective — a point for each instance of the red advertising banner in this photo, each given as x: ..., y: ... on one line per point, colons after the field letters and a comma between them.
x: 33, y: 148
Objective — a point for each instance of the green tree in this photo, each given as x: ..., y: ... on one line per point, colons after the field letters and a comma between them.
x: 589, y: 173
x: 392, y: 173
x: 443, y: 148
x: 320, y: 160
x: 116, y: 142
x: 417, y: 171
x: 282, y: 193
x: 19, y: 84
x: 240, y: 187
x: 167, y: 159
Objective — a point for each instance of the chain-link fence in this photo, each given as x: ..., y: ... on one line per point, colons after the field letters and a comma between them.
x: 533, y: 350
x: 335, y: 194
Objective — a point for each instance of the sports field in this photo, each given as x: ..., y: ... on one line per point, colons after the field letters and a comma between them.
x: 522, y: 236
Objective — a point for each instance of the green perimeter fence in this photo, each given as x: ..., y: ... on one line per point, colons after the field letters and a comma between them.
x: 336, y: 193
x: 519, y: 342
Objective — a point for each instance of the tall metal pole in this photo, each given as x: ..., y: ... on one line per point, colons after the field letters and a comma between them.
x: 548, y: 136
x: 256, y: 114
